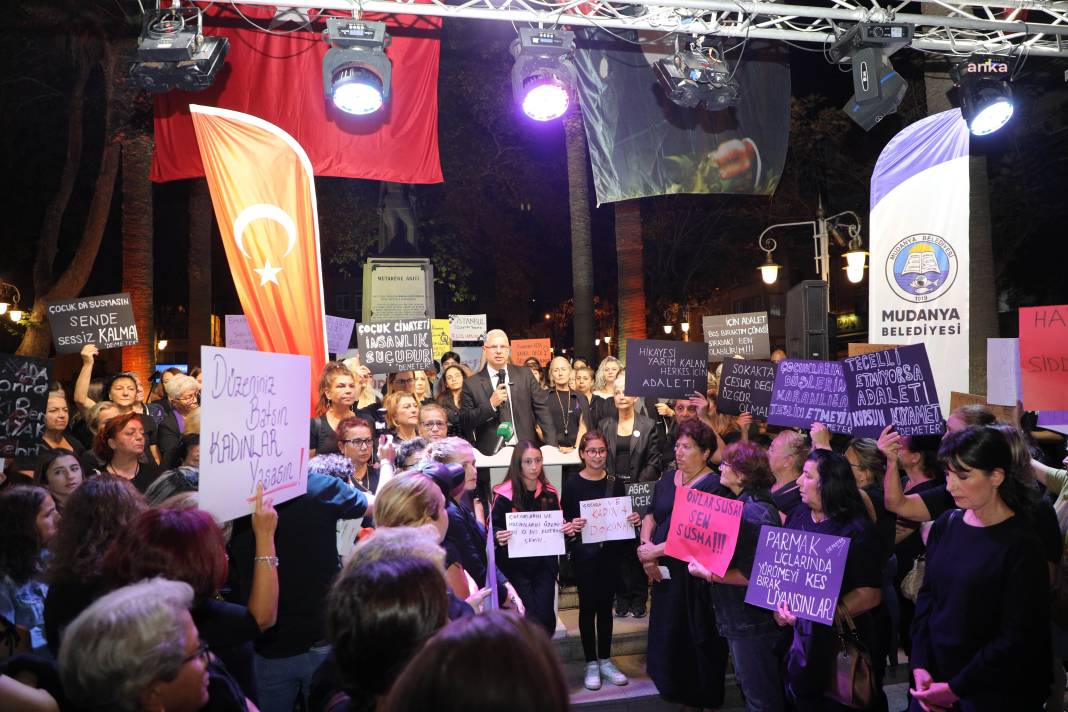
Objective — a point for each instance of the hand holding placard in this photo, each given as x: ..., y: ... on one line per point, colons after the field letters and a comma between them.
x: 534, y: 533
x: 607, y: 519
x: 704, y: 527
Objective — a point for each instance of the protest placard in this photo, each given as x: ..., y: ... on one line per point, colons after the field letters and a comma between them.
x: 802, y: 569
x: 1044, y: 357
x: 1004, y: 413
x: 606, y: 519
x: 391, y: 346
x: 535, y: 533
x: 106, y: 321
x: 808, y: 392
x: 1056, y: 420
x: 470, y: 356
x: 745, y: 387
x: 24, y: 384
x: 238, y: 334
x: 441, y: 335
x: 641, y: 497
x: 253, y: 429
x: 668, y: 369
x: 856, y: 349
x: 705, y: 527
x: 522, y: 349
x: 467, y: 328
x: 338, y: 333
x: 744, y: 335
x: 893, y: 387
x: 1003, y: 371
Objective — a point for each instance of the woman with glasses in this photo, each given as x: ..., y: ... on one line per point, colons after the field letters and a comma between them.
x: 183, y: 393
x: 686, y: 656
x: 596, y: 566
x: 355, y: 438
x: 337, y: 394
x: 526, y: 489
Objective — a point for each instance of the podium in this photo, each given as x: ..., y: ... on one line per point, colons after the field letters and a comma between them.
x: 553, y: 464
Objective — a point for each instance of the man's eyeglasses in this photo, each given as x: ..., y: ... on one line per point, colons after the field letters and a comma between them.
x: 358, y: 442
x: 434, y: 424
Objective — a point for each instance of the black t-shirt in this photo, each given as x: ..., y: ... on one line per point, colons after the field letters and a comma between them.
x: 885, y: 521
x: 230, y: 630
x: 147, y: 472
x: 622, y: 458
x: 65, y: 602
x: 863, y: 567
x: 323, y: 438
x: 787, y: 498
x: 578, y: 489
x: 574, y: 405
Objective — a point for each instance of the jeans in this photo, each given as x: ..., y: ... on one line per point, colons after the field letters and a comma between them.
x: 757, y: 667
x: 282, y: 680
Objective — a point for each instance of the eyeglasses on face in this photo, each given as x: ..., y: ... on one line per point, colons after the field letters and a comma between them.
x: 358, y: 442
x: 202, y: 651
x: 597, y: 451
x: 403, y: 381
x: 434, y: 424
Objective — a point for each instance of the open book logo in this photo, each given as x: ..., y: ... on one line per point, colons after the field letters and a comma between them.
x: 921, y: 267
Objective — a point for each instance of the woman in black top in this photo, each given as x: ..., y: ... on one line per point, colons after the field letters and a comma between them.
x: 596, y: 566
x: 120, y: 446
x: 56, y: 420
x: 981, y: 631
x: 687, y: 657
x: 831, y: 504
x: 121, y: 390
x: 634, y: 455
x: 526, y: 489
x: 569, y: 408
x: 337, y: 393
x: 452, y: 379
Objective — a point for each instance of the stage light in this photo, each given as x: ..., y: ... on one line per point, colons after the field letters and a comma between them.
x: 174, y: 53
x: 698, y: 75
x: 985, y: 94
x: 877, y: 88
x: 356, y: 70
x: 543, y: 77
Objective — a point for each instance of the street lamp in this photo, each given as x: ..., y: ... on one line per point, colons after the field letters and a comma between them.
x: 823, y: 228
x: 685, y: 326
x: 9, y: 299
x: 668, y: 328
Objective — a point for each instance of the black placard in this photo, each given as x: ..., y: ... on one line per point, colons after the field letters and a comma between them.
x: 641, y: 496
x: 666, y: 369
x: 24, y: 386
x: 399, y: 345
x: 745, y: 387
x: 106, y: 321
x: 744, y: 335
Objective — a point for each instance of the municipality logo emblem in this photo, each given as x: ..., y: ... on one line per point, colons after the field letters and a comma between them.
x: 921, y: 267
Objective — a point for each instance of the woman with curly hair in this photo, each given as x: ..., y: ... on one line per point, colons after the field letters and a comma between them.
x: 28, y: 516
x: 94, y: 515
x: 337, y: 393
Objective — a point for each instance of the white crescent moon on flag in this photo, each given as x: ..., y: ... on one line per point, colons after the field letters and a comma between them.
x: 268, y: 212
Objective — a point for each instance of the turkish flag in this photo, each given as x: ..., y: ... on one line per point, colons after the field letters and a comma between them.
x: 263, y: 190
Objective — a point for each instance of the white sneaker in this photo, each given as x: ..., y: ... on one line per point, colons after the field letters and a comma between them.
x: 593, y: 676
x: 611, y: 673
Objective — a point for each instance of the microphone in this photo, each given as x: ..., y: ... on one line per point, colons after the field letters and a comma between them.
x: 505, y: 431
x: 446, y: 476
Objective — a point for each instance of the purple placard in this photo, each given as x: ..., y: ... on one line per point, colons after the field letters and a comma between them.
x: 893, y: 387
x: 1055, y: 420
x: 808, y: 392
x: 804, y: 569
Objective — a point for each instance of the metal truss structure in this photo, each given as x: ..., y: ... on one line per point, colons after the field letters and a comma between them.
x: 1020, y: 28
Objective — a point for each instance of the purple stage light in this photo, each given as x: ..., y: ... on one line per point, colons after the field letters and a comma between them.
x: 545, y: 100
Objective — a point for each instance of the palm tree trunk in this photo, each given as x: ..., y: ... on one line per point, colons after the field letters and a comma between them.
x: 137, y: 252
x: 200, y: 212
x: 581, y: 245
x: 630, y: 270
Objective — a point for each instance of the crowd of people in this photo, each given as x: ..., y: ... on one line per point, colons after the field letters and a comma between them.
x: 388, y: 585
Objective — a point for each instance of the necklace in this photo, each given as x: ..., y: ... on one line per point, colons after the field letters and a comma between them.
x: 137, y: 469
x: 563, y: 411
x: 686, y: 482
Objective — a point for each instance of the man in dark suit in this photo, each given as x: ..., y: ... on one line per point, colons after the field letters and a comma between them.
x: 500, y: 393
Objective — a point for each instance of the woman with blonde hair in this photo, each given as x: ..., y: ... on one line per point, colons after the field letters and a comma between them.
x: 402, y: 415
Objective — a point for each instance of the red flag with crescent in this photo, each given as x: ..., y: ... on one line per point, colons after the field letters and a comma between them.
x: 263, y: 190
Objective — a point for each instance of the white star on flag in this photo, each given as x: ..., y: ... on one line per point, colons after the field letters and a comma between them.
x: 268, y: 273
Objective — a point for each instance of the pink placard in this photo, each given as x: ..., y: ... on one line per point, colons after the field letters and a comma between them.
x: 705, y: 527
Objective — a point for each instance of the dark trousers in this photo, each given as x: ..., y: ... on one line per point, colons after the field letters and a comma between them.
x: 633, y: 591
x: 596, y: 578
x: 538, y: 590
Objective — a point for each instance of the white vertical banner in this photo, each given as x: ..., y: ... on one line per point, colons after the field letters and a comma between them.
x: 918, y: 287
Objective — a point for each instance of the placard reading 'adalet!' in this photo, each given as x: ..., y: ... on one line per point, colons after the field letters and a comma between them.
x: 808, y: 392
x: 666, y: 369
x: 253, y: 429
x: 704, y: 527
x: 801, y: 569
x: 893, y: 387
x: 106, y: 321
x: 535, y: 533
x: 24, y: 384
x: 744, y: 335
x: 391, y: 346
x: 745, y: 387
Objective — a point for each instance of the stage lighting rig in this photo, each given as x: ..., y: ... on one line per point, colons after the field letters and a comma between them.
x: 174, y: 53
x: 543, y: 76
x: 985, y: 93
x: 698, y: 75
x: 877, y: 88
x: 356, y: 70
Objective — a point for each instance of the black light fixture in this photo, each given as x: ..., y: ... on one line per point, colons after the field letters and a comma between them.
x: 877, y: 88
x: 985, y: 93
x: 174, y: 53
x: 543, y: 76
x: 356, y: 70
x: 698, y: 75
